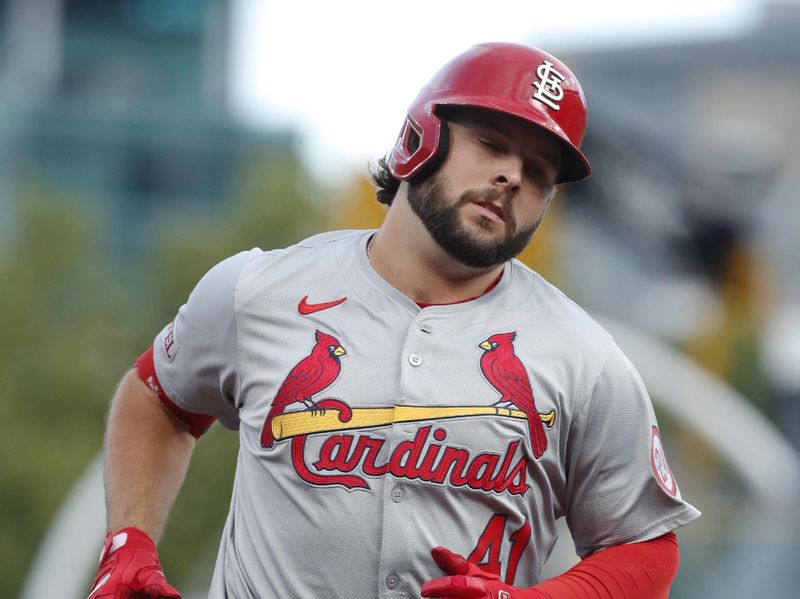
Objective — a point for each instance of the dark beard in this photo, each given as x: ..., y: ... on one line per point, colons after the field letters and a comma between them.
x: 428, y: 201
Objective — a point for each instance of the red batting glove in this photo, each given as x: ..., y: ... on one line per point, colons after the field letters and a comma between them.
x: 465, y: 580
x: 129, y: 568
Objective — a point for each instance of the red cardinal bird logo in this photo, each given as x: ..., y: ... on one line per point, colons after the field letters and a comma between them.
x: 504, y: 371
x: 312, y: 374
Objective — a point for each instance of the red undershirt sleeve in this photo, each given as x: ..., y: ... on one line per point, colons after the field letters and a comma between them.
x: 196, y: 423
x: 630, y: 571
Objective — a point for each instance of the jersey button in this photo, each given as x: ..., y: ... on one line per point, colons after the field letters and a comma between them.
x: 398, y: 494
x: 392, y: 580
x: 415, y: 359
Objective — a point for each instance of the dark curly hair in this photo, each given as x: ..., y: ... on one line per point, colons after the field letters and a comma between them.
x: 382, y: 177
x: 385, y: 184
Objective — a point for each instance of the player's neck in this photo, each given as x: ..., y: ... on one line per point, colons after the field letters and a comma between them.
x: 405, y: 256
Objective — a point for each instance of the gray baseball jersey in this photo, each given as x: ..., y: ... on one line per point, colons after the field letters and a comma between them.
x: 372, y: 430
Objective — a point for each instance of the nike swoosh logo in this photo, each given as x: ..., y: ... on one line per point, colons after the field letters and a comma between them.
x: 305, y: 308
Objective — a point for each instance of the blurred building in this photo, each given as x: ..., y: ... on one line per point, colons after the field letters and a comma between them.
x: 697, y: 166
x: 689, y: 229
x: 691, y: 144
x: 122, y: 103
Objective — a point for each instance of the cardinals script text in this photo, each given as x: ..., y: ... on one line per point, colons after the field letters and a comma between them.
x: 351, y: 458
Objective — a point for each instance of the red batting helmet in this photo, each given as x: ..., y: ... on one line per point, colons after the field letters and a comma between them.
x: 516, y: 80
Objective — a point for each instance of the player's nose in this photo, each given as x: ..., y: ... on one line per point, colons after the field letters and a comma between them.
x: 508, y: 174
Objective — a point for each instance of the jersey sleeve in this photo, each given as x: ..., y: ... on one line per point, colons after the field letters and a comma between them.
x: 619, y: 487
x: 195, y: 356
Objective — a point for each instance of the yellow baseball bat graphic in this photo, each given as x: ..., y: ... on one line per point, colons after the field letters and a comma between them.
x: 308, y: 422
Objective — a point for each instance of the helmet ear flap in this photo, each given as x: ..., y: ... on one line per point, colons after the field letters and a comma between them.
x: 436, y: 160
x: 410, y: 138
x: 408, y: 141
x: 415, y: 156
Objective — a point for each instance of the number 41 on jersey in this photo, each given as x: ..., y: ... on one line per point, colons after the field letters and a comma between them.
x: 487, y: 551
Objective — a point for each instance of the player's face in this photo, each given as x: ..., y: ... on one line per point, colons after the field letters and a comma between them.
x: 485, y: 202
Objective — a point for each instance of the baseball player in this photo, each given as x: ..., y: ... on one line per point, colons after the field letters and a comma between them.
x: 416, y: 409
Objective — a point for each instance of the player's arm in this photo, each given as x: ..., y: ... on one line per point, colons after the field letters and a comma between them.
x: 630, y: 571
x: 162, y: 405
x: 180, y: 385
x: 147, y: 453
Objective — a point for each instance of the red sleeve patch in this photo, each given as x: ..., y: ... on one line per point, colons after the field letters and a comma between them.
x: 661, y: 470
x: 196, y: 423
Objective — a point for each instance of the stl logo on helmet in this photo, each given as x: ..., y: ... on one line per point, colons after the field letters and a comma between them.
x: 548, y: 88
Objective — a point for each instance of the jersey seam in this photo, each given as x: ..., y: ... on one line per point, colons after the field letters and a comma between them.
x: 275, y: 254
x: 333, y: 237
x: 236, y: 323
x: 580, y: 415
x: 223, y: 416
x: 176, y: 398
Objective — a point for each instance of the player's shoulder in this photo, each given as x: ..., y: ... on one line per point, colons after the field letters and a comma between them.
x: 551, y: 303
x: 246, y: 273
x: 308, y: 258
x: 328, y: 238
x: 562, y: 326
x: 321, y: 242
x: 229, y: 269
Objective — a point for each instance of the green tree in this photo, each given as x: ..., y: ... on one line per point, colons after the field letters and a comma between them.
x: 75, y: 316
x: 65, y: 339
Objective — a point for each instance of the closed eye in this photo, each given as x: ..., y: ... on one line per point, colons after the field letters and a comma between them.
x: 535, y: 172
x: 490, y: 144
x: 540, y: 175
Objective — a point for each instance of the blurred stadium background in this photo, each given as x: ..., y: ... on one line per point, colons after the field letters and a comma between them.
x: 125, y: 174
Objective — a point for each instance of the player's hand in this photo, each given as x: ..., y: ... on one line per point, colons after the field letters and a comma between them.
x: 465, y: 580
x: 129, y: 568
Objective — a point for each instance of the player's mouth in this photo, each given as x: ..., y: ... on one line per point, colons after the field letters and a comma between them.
x: 490, y: 210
